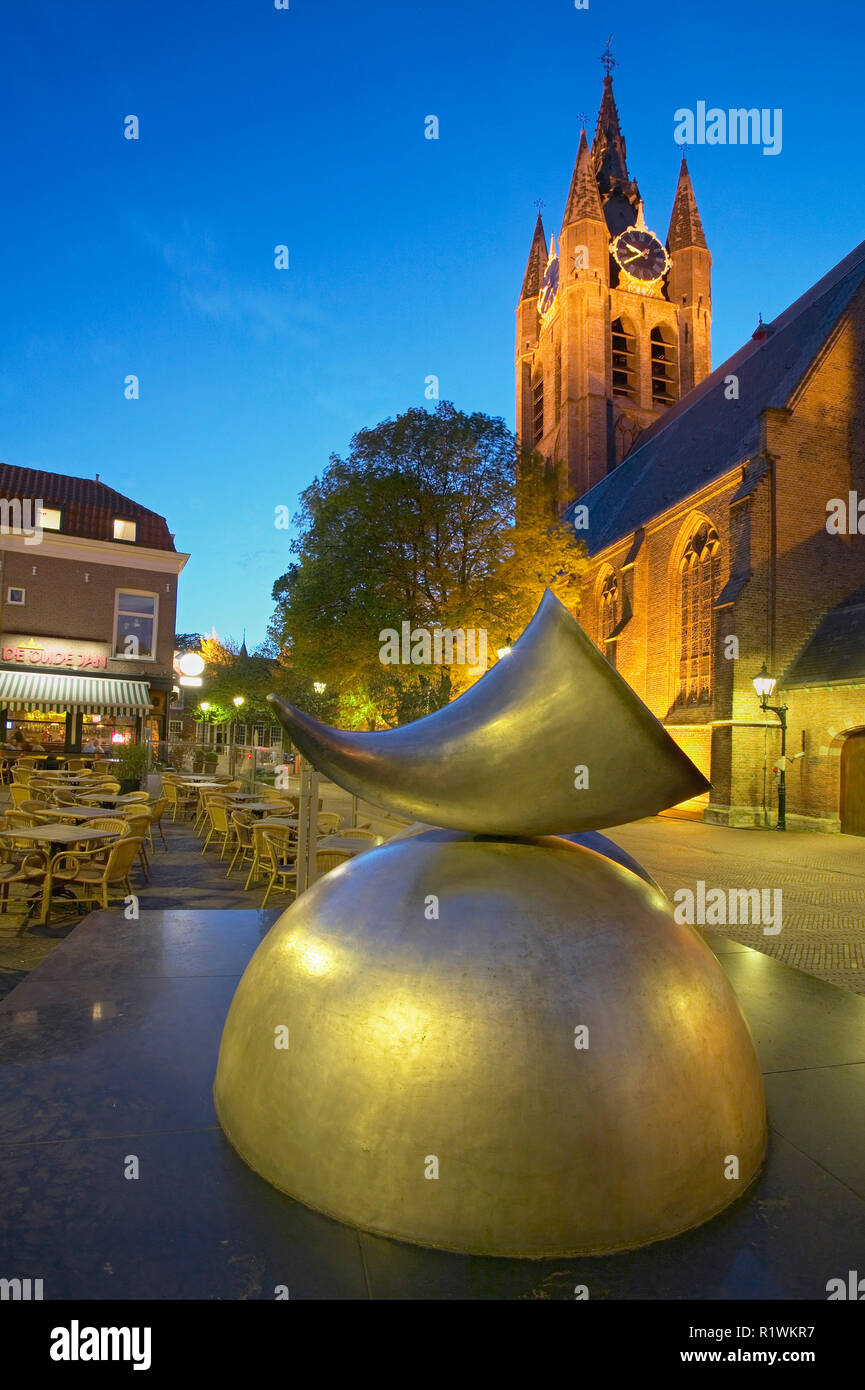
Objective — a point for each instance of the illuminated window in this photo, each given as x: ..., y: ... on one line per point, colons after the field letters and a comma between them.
x: 135, y: 625
x: 609, y: 616
x: 48, y: 518
x: 538, y: 410
x: 625, y: 380
x: 665, y: 367
x: 16, y: 596
x: 700, y: 569
x: 124, y: 530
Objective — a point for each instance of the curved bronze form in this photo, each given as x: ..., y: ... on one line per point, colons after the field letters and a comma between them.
x: 550, y: 741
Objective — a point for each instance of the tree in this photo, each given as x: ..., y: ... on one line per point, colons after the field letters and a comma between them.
x: 416, y: 525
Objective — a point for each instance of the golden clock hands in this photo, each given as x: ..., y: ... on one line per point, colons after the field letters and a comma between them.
x: 638, y: 256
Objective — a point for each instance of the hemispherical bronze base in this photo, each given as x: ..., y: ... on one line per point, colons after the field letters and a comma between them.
x: 499, y: 1047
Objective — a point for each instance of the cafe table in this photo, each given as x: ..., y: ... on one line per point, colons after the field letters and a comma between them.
x: 259, y: 807
x: 81, y: 813
x: 113, y: 799
x: 58, y: 837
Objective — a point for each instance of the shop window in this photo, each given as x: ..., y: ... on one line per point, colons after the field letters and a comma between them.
x: 48, y: 518
x: 240, y: 734
x: 135, y: 625
x: 14, y: 595
x: 125, y: 530
x: 175, y: 728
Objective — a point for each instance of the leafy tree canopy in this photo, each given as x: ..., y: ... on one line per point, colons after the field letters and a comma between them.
x: 416, y: 525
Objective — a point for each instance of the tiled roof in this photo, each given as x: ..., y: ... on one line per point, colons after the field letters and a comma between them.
x: 836, y: 651
x: 705, y: 435
x: 536, y: 263
x: 88, y: 507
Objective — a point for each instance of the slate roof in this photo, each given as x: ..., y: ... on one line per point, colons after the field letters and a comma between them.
x: 686, y: 228
x: 836, y: 651
x: 705, y: 435
x: 88, y: 508
x: 584, y: 200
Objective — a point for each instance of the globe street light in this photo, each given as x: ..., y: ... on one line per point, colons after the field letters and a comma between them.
x: 764, y: 684
x: 237, y: 701
x: 319, y: 687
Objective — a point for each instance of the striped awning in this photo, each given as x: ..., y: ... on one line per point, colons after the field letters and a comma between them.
x: 91, y: 694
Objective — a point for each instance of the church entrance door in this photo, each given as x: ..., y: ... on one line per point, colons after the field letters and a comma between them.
x: 853, y: 784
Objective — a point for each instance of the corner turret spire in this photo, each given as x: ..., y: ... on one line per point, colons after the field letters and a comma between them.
x: 537, y: 263
x: 686, y: 229
x: 584, y: 200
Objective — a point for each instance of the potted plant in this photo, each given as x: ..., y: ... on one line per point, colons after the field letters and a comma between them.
x: 210, y: 761
x: 132, y: 760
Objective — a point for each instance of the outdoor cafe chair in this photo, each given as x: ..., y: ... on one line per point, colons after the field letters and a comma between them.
x: 244, y: 849
x: 64, y: 797
x: 260, y: 860
x: 328, y: 822
x: 277, y: 850
x: 359, y: 833
x: 139, y: 821
x: 177, y: 799
x: 137, y: 796
x: 19, y: 791
x: 217, y: 815
x: 94, y: 873
x: 30, y: 868
x: 157, y: 811
x: 328, y: 859
x: 207, y: 799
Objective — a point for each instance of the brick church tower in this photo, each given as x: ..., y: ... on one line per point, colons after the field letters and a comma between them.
x: 612, y: 326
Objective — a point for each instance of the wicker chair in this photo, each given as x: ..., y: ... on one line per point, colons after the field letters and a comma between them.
x: 244, y: 849
x: 277, y: 852
x: 157, y: 811
x: 328, y: 822
x: 96, y: 873
x: 177, y: 799
x: 217, y: 815
x: 138, y: 819
x: 358, y: 833
x: 15, y: 867
x: 327, y: 859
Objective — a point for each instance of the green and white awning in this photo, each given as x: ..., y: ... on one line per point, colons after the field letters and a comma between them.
x: 90, y: 694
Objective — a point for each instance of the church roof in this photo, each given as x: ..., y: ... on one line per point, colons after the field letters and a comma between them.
x: 686, y: 229
x: 537, y: 263
x: 584, y: 200
x: 705, y: 435
x: 836, y: 651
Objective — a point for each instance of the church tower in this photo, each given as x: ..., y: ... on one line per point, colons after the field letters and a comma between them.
x: 612, y: 326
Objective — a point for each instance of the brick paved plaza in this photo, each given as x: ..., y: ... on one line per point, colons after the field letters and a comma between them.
x: 822, y: 878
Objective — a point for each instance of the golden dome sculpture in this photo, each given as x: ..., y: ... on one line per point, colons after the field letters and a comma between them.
x: 494, y: 1040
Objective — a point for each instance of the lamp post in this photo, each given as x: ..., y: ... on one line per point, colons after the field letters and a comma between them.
x: 764, y: 684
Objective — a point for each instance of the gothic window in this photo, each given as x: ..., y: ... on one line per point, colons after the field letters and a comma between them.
x: 609, y: 616
x: 665, y: 367
x: 699, y: 571
x: 625, y: 381
x: 538, y: 410
x: 558, y: 383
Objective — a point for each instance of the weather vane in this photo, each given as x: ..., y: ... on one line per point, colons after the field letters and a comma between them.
x: 540, y: 205
x: 582, y: 118
x: 607, y: 58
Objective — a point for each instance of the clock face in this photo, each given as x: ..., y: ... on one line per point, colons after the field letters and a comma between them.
x: 640, y: 254
x: 549, y: 286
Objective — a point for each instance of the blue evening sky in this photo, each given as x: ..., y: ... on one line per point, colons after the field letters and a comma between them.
x: 306, y: 127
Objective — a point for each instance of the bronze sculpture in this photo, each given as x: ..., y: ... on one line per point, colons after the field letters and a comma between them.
x: 497, y: 1043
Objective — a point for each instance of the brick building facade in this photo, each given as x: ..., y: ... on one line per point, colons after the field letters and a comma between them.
x: 88, y: 594
x: 712, y: 540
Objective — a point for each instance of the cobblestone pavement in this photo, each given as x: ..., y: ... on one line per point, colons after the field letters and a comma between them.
x: 822, y: 879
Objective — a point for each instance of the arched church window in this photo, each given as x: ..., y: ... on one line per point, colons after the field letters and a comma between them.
x: 665, y: 367
x: 699, y: 572
x: 538, y: 409
x: 625, y: 380
x: 558, y: 383
x: 608, y: 615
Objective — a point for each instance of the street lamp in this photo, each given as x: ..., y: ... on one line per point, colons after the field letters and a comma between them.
x: 205, y: 705
x: 319, y: 687
x: 764, y: 684
x: 237, y: 701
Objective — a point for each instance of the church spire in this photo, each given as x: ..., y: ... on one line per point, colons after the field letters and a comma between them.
x: 608, y: 147
x: 584, y: 200
x: 686, y: 229
x: 537, y: 263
